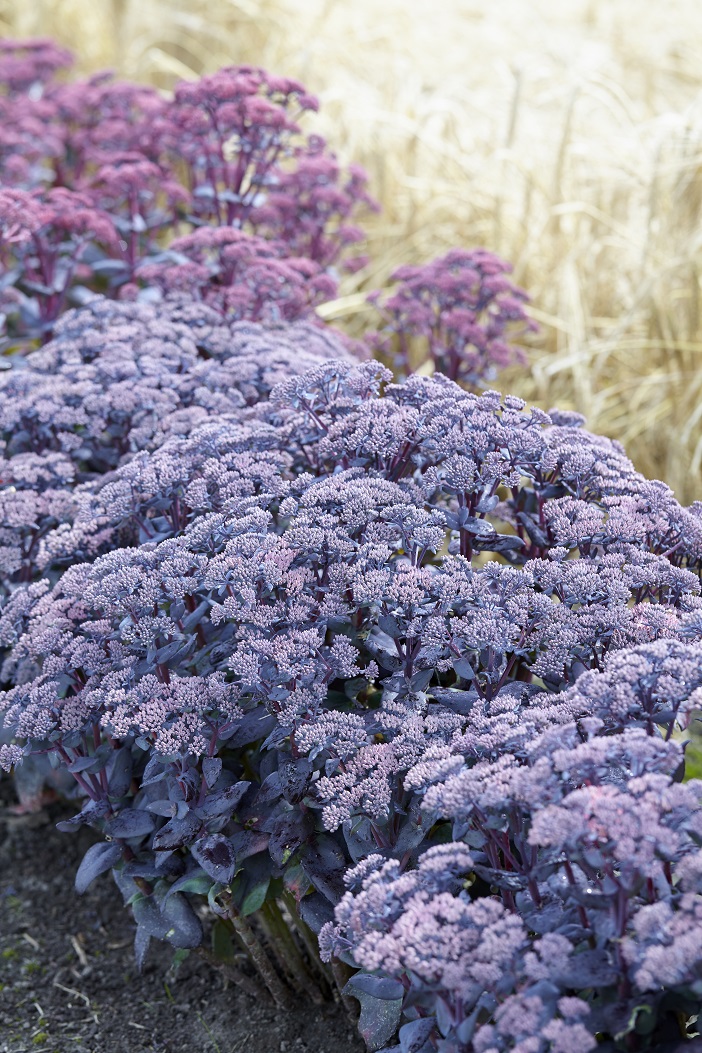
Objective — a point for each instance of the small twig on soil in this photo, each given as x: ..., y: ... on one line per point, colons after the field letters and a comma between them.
x: 211, y: 1037
x: 80, y: 953
x: 76, y: 994
x: 72, y: 991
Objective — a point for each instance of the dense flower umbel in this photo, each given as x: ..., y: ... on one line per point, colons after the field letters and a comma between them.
x: 582, y: 836
x: 456, y: 312
x: 225, y: 151
x: 143, y: 200
x: 232, y: 128
x: 28, y: 65
x: 114, y: 372
x: 249, y: 166
x: 43, y: 238
x: 309, y: 208
x: 119, y: 378
x: 241, y: 275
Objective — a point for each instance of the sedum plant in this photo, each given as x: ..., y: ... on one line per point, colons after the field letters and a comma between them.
x: 311, y: 681
x: 118, y: 379
x: 368, y: 689
x: 43, y: 240
x: 454, y: 313
x: 240, y: 275
x: 100, y: 177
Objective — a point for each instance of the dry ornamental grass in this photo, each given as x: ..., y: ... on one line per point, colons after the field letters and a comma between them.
x: 568, y: 140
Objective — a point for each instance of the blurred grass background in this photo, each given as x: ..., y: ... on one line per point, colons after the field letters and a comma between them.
x: 567, y: 138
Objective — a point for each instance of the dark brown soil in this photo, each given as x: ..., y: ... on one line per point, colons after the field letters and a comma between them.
x: 68, y: 981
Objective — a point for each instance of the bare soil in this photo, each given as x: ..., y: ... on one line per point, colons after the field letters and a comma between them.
x: 69, y: 984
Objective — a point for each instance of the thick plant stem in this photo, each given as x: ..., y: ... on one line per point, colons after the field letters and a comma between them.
x: 259, y: 958
x: 302, y: 977
x: 277, y: 950
x: 342, y: 975
x: 310, y: 941
x: 253, y: 989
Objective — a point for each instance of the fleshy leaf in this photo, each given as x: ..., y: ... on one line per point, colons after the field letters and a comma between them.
x: 99, y: 858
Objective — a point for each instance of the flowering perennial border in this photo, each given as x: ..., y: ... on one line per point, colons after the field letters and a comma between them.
x: 376, y: 682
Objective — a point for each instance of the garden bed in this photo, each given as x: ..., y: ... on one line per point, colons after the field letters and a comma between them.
x: 68, y: 981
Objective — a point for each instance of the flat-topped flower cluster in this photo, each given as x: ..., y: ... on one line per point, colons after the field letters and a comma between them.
x: 391, y: 670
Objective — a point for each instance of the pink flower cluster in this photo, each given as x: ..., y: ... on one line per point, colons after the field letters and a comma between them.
x: 455, y: 312
x: 98, y: 176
